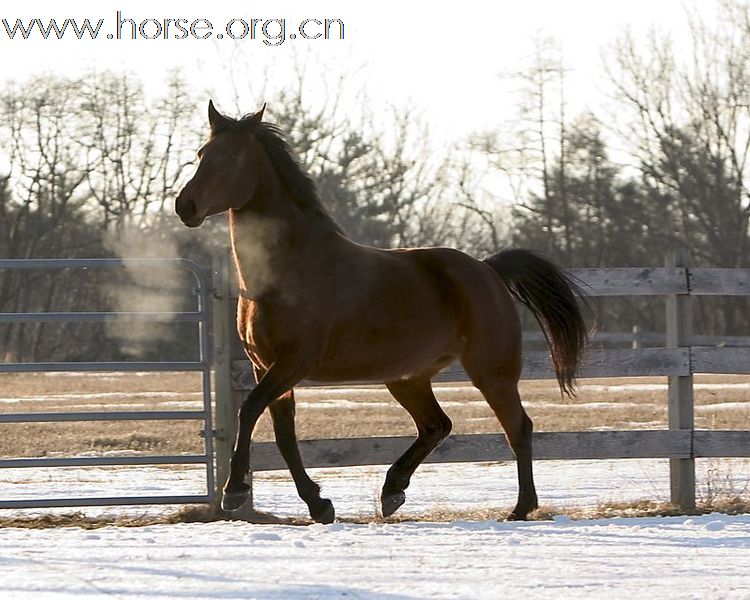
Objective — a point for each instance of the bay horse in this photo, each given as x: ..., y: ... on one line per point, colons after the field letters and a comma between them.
x: 316, y: 305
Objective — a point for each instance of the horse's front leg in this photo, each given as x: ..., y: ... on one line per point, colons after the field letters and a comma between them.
x: 282, y: 413
x: 280, y: 378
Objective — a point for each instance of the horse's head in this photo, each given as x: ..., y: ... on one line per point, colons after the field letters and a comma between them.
x: 228, y: 171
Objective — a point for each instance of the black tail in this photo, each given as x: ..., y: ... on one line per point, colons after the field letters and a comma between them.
x: 551, y: 295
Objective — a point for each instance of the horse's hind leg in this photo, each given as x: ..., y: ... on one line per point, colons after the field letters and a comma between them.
x: 501, y: 393
x: 433, y: 426
x: 282, y: 413
x: 504, y: 400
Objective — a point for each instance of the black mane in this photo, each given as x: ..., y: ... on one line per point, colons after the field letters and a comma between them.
x: 300, y: 185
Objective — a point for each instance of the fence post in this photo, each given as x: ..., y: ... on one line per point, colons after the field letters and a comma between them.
x: 679, y: 321
x: 222, y: 367
x: 224, y: 334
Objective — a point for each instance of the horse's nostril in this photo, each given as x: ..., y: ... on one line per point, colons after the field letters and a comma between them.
x: 185, y: 207
x: 187, y: 210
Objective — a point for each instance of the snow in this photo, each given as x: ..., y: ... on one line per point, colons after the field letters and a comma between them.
x: 675, y: 557
x: 343, y: 404
x: 355, y: 490
x: 630, y: 388
x: 678, y: 557
x: 720, y: 406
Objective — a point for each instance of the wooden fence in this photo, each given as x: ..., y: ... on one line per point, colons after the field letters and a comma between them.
x: 681, y: 443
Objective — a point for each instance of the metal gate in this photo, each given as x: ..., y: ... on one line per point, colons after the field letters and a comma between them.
x: 200, y: 316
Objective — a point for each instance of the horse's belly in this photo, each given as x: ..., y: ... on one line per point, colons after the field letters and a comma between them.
x: 385, y: 360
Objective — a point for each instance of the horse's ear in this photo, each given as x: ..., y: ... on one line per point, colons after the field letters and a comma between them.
x: 258, y: 116
x: 215, y: 119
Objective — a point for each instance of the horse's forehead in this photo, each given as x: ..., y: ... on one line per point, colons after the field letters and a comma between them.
x: 228, y: 140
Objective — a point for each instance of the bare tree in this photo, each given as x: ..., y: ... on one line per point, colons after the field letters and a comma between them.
x: 381, y: 183
x: 44, y: 192
x: 526, y: 149
x: 137, y: 152
x: 84, y: 157
x: 692, y: 137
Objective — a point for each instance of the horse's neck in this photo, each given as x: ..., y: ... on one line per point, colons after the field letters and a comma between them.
x: 255, y: 239
x: 272, y: 248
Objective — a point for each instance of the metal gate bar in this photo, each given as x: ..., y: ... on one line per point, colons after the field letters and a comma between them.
x: 115, y: 501
x: 95, y: 317
x: 203, y: 364
x: 103, y: 461
x: 140, y: 415
x: 100, y: 366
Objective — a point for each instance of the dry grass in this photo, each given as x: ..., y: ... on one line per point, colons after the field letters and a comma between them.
x: 607, y: 510
x: 188, y: 514
x: 349, y: 412
x: 731, y: 505
x: 332, y: 412
x: 43, y: 392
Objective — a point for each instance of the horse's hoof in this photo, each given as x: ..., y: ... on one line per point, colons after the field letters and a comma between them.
x: 232, y: 501
x: 521, y: 513
x: 392, y: 503
x: 323, y: 511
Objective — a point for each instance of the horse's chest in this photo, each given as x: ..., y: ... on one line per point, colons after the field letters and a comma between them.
x: 265, y: 330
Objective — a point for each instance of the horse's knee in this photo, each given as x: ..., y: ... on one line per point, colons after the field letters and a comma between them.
x: 283, y: 406
x: 250, y: 410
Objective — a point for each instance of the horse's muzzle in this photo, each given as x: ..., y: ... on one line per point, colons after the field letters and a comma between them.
x: 186, y: 210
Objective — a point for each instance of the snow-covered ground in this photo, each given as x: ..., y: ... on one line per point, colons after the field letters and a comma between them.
x: 676, y: 557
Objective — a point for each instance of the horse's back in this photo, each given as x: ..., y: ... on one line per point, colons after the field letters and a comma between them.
x: 473, y: 286
x: 418, y: 309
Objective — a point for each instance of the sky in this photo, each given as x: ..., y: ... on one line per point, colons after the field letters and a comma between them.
x: 444, y: 60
